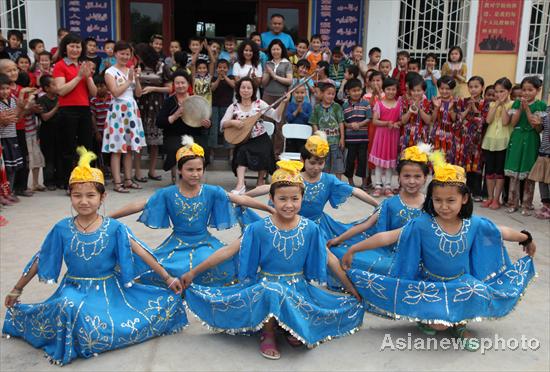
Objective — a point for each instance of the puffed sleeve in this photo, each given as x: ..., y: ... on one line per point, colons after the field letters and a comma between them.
x: 246, y: 216
x: 249, y: 254
x: 315, y: 268
x: 155, y: 214
x: 124, y: 254
x: 339, y: 191
x: 406, y: 261
x: 222, y: 215
x: 50, y: 256
x: 488, y: 256
x: 229, y: 113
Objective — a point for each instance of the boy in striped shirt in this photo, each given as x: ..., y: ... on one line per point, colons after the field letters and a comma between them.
x: 357, y: 114
x: 99, y: 106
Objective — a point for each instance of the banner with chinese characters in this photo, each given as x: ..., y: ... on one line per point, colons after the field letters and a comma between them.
x: 339, y: 22
x: 498, y: 24
x: 95, y: 19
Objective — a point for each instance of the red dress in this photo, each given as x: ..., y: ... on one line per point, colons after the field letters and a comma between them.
x: 445, y: 134
x: 468, y: 151
x: 415, y: 130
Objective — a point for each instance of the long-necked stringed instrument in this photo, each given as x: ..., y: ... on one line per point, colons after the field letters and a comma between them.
x: 236, y: 136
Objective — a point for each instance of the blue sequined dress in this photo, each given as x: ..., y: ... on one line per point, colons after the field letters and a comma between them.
x: 447, y: 278
x: 274, y: 269
x: 190, y: 242
x: 96, y: 307
x: 328, y: 189
x: 393, y: 214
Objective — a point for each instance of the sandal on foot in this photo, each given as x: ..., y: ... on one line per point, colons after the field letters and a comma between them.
x: 38, y: 188
x: 119, y: 187
x: 140, y: 179
x: 512, y: 210
x: 486, y: 203
x: 268, y: 344
x: 468, y: 343
x: 526, y: 212
x: 154, y: 178
x: 129, y: 184
x: 293, y: 341
x: 426, y: 329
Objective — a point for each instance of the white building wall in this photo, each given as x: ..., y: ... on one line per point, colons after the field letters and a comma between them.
x: 42, y: 21
x: 383, y: 27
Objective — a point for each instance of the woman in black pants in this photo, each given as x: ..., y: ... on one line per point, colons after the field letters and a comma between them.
x: 74, y: 86
x: 170, y: 121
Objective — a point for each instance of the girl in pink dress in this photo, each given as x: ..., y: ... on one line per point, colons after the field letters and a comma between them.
x: 387, y: 118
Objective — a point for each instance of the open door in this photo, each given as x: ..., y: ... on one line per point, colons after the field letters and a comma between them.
x: 295, y: 13
x: 143, y: 18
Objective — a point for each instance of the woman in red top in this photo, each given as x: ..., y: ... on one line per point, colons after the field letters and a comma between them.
x: 75, y: 86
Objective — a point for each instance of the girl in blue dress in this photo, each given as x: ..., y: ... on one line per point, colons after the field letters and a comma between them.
x: 392, y: 214
x: 190, y: 207
x: 449, y: 267
x: 321, y: 188
x: 277, y: 257
x: 96, y: 307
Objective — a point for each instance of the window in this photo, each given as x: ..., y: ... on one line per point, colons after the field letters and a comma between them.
x: 433, y: 26
x: 537, y: 39
x: 13, y: 17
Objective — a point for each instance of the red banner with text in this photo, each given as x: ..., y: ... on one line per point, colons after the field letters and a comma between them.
x: 498, y: 24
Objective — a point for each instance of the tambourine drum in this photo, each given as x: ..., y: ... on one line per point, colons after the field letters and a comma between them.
x: 195, y: 110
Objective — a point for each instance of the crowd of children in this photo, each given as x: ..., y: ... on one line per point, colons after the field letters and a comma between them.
x: 369, y: 111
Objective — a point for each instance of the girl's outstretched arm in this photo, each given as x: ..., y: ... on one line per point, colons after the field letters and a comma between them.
x: 214, y: 259
x: 357, y: 229
x: 172, y: 283
x: 129, y: 209
x: 376, y: 241
x: 12, y: 297
x: 512, y: 235
x: 363, y: 196
x: 334, y: 265
x: 258, y: 191
x: 247, y: 201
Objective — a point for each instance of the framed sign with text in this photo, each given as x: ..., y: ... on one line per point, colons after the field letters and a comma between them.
x: 339, y: 22
x: 498, y: 26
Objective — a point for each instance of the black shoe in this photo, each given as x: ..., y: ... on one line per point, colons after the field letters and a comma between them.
x: 51, y: 188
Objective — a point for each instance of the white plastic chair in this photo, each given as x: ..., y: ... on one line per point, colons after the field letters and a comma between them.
x: 294, y: 131
x: 269, y: 127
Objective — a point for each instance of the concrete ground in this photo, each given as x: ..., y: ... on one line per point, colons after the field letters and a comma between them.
x: 196, y: 348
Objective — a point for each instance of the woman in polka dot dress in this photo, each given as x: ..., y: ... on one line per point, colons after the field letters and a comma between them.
x: 124, y: 133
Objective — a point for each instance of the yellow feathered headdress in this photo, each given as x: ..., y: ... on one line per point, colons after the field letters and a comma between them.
x: 189, y: 148
x: 418, y: 153
x: 83, y: 172
x: 317, y: 144
x: 445, y: 172
x: 289, y: 172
